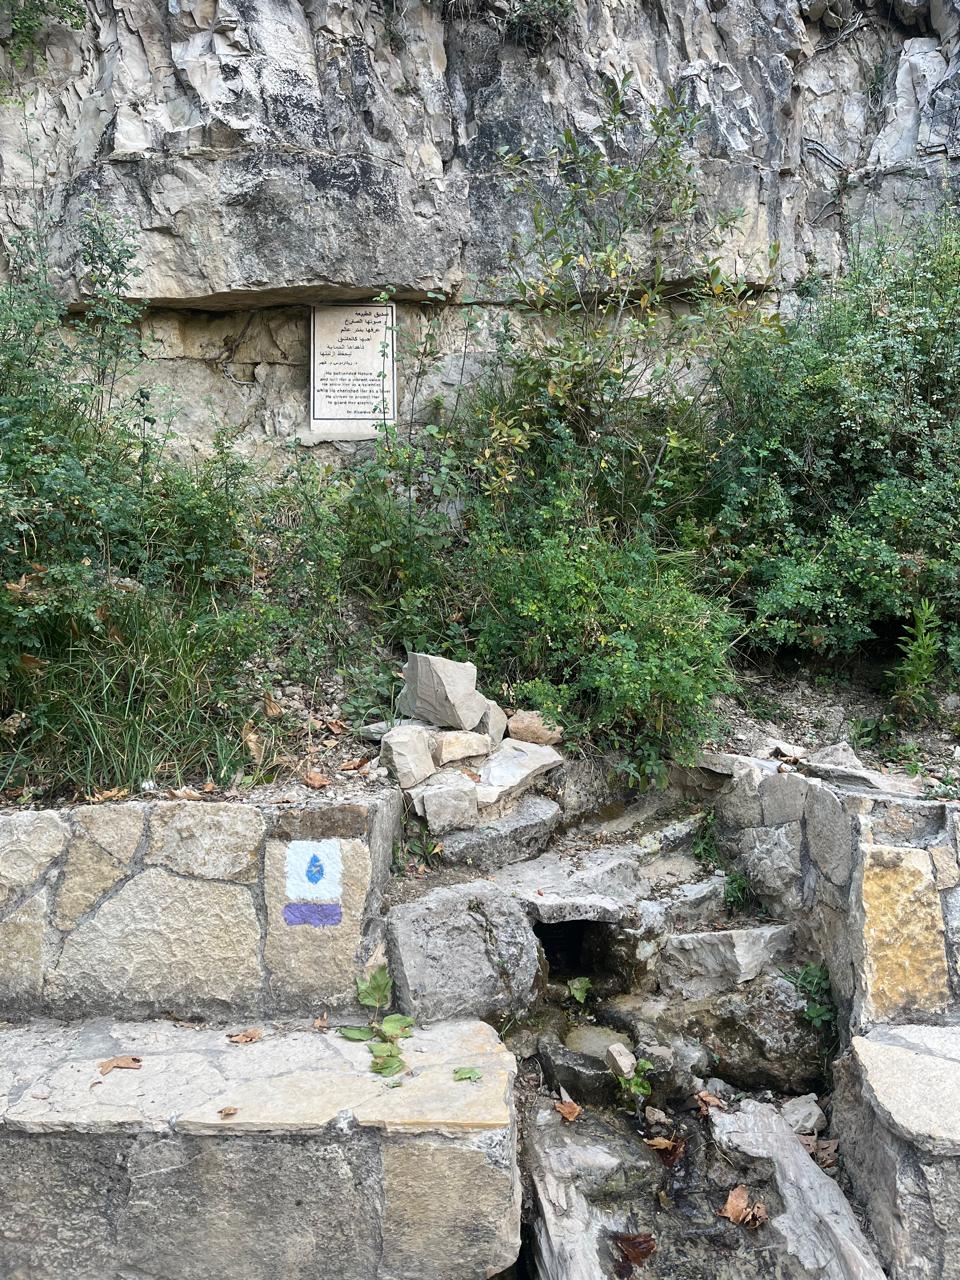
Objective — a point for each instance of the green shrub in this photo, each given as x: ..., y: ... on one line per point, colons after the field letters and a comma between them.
x: 143, y: 599
x: 831, y: 508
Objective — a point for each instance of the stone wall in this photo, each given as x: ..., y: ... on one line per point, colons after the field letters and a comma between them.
x: 191, y: 908
x: 869, y: 870
x: 247, y: 372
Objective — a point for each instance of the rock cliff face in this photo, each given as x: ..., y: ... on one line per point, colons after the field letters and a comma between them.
x: 274, y: 152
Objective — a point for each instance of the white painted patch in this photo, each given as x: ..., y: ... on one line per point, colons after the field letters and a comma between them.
x: 314, y: 871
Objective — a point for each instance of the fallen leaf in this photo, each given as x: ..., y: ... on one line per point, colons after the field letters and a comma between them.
x: 209, y: 787
x: 30, y: 663
x: 101, y: 797
x: 125, y: 1062
x: 315, y: 779
x: 467, y: 1073
x: 349, y: 766
x: 568, y: 1110
x: 823, y: 1150
x: 322, y: 1023
x: 253, y: 742
x: 706, y: 1099
x: 670, y: 1150
x: 636, y: 1249
x: 741, y: 1210
x: 471, y: 774
x: 271, y: 707
x: 250, y: 1036
x: 335, y: 726
x: 226, y: 1112
x: 183, y: 793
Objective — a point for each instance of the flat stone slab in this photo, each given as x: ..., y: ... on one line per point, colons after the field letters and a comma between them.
x: 896, y: 1112
x: 183, y: 1168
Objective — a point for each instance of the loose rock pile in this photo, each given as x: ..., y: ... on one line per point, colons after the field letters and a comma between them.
x: 448, y: 751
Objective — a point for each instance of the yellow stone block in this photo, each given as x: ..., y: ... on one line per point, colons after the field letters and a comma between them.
x: 905, y: 961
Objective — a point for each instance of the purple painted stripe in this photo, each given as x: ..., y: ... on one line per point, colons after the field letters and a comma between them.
x: 315, y: 913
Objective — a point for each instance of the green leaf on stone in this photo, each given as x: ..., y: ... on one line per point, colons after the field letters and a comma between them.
x: 388, y: 1066
x: 356, y: 1033
x: 467, y: 1073
x: 578, y: 988
x: 396, y: 1024
x: 375, y: 991
x: 384, y: 1049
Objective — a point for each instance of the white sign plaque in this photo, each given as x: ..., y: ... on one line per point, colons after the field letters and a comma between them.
x: 352, y: 382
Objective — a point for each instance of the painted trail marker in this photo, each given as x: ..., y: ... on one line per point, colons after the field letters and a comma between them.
x: 314, y: 883
x: 352, y: 371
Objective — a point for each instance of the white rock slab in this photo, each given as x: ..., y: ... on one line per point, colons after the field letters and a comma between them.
x: 512, y: 768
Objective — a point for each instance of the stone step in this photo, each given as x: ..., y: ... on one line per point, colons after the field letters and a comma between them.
x: 192, y: 908
x: 286, y: 1156
x: 897, y: 1109
x: 519, y: 834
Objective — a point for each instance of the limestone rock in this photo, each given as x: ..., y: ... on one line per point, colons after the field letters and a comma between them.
x: 465, y: 951
x: 803, y: 1114
x: 29, y: 842
x: 512, y: 768
x: 815, y: 1232
x: 904, y: 964
x: 530, y: 726
x: 447, y: 800
x: 162, y: 944
x: 603, y: 884
x: 829, y: 836
x: 782, y: 798
x: 584, y: 1076
x: 215, y: 841
x: 493, y: 723
x: 702, y: 964
x: 441, y: 692
x: 771, y: 860
x: 841, y: 765
x: 756, y: 1037
x: 521, y: 833
x: 620, y: 1060
x: 22, y: 943
x: 900, y: 1140
x: 105, y: 840
x: 459, y: 744
x: 319, y: 1161
x: 407, y: 752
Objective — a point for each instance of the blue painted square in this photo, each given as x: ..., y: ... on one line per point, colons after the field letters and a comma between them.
x: 314, y: 871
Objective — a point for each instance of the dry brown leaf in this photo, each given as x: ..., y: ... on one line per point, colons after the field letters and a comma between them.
x: 183, y: 793
x: 253, y: 742
x: 271, y: 707
x: 322, y: 1023
x: 250, y: 1036
x: 124, y: 1062
x: 335, y: 726
x: 115, y: 793
x: 471, y: 774
x: 823, y: 1150
x: 30, y: 663
x: 350, y: 766
x: 636, y: 1249
x: 226, y: 1112
x: 742, y: 1210
x: 568, y: 1110
x: 670, y: 1150
x: 315, y: 779
x: 209, y: 787
x: 706, y: 1099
